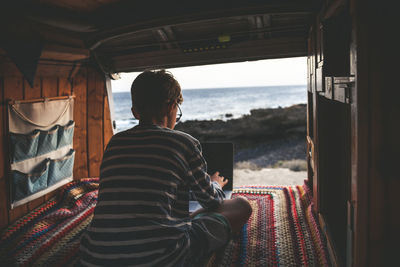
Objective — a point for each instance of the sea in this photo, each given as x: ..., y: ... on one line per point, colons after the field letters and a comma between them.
x: 218, y: 103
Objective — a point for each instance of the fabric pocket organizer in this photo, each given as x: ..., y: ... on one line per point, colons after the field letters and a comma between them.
x: 48, y: 141
x: 24, y: 185
x: 47, y: 173
x: 36, y: 143
x: 61, y: 168
x: 24, y: 146
x: 65, y: 134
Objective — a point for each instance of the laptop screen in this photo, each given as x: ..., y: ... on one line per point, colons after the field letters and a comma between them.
x: 219, y: 157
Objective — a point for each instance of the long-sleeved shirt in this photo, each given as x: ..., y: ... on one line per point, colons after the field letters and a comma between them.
x: 142, y: 214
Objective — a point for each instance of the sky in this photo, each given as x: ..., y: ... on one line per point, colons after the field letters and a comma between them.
x: 270, y: 72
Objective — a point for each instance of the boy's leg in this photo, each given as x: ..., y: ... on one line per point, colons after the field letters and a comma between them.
x: 237, y: 211
x: 212, y: 229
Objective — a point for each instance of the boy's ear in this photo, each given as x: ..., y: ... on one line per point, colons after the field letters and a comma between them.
x: 135, y: 114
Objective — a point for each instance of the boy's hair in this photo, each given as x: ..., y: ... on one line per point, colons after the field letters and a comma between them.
x: 153, y: 91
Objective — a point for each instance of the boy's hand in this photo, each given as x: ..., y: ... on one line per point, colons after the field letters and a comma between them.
x: 219, y: 179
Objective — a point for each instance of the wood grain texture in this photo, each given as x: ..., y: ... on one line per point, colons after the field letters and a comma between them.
x: 96, y: 89
x: 49, y: 86
x: 79, y: 89
x: 107, y: 123
x: 45, y: 69
x: 32, y: 92
x: 360, y: 133
x: 64, y: 87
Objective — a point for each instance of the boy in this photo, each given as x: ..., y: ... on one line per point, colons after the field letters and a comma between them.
x: 142, y: 215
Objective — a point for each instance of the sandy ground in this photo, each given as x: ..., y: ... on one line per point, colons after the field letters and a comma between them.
x: 268, y: 176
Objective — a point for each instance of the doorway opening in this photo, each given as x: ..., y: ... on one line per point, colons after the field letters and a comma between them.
x: 260, y: 106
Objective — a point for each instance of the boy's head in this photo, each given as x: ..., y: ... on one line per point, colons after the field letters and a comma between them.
x: 153, y: 93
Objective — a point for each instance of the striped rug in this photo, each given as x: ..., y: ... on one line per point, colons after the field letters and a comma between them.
x: 282, y: 231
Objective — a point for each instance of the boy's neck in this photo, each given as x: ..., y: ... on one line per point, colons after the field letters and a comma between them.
x: 161, y: 123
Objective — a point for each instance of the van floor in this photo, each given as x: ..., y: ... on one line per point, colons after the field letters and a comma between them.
x: 282, y: 229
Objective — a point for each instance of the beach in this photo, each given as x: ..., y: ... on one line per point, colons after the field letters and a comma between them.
x: 268, y: 177
x: 218, y: 103
x: 266, y: 125
x: 270, y: 144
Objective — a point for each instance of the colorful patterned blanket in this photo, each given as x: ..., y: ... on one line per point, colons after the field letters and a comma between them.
x: 49, y: 235
x: 281, y: 231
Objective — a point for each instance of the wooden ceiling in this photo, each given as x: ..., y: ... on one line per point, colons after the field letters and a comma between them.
x: 133, y: 35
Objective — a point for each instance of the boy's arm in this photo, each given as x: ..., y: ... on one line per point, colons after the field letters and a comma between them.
x: 209, y: 193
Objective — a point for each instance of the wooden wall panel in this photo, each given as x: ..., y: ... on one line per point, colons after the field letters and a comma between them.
x: 334, y: 161
x: 96, y: 90
x: 331, y: 130
x: 92, y: 125
x: 64, y: 86
x: 49, y: 86
x: 79, y: 89
x: 107, y: 125
x: 384, y: 112
x: 373, y: 220
x: 33, y: 92
x: 45, y: 68
x: 360, y: 132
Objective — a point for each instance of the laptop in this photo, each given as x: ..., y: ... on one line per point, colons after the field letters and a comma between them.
x: 219, y: 157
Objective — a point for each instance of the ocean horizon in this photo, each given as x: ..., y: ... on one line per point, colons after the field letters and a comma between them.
x: 218, y: 103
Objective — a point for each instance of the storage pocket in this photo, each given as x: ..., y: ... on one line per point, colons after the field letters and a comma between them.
x: 61, y: 168
x: 24, y: 146
x: 48, y: 141
x: 66, y: 134
x: 24, y: 184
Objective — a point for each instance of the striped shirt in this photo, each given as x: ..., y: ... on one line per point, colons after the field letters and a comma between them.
x: 142, y: 214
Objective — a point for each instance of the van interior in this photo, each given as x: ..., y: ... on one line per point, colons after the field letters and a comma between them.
x: 66, y: 52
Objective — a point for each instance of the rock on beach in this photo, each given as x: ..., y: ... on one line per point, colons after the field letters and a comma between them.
x: 264, y: 137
